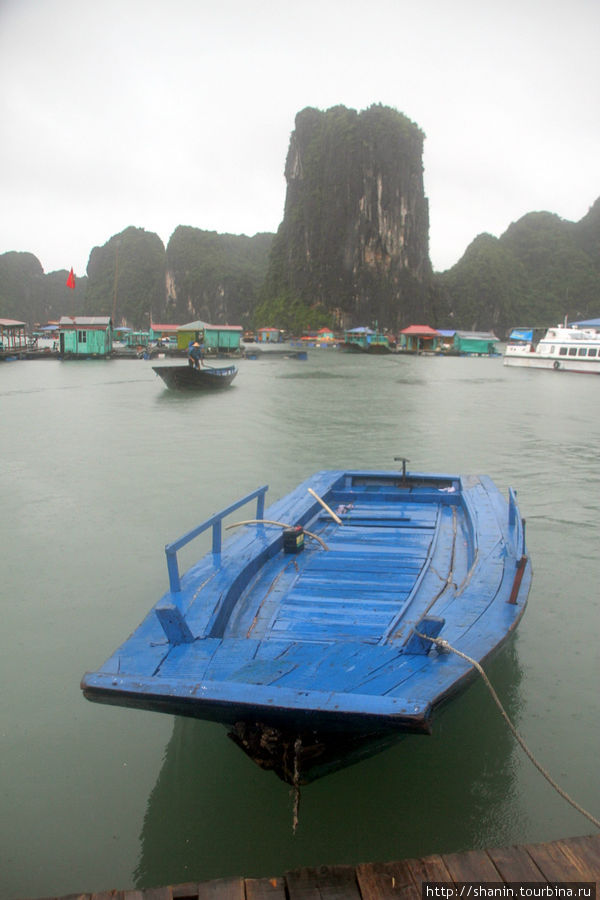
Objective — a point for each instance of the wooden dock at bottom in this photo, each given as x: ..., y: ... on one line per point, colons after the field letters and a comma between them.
x: 570, y: 860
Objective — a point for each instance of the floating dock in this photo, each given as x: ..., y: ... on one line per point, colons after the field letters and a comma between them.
x: 575, y: 859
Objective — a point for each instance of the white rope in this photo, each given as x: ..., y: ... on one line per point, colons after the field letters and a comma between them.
x: 280, y: 525
x: 446, y: 646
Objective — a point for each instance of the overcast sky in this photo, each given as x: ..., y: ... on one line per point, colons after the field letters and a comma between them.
x: 159, y: 113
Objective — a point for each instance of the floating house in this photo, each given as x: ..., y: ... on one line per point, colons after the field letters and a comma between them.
x: 216, y: 338
x: 137, y: 338
x: 269, y: 336
x: 13, y: 337
x: 475, y: 343
x: 324, y: 337
x: 85, y: 336
x: 163, y: 332
x: 420, y: 339
x: 446, y: 344
x: 366, y: 340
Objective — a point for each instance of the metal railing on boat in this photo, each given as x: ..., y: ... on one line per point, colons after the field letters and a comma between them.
x: 213, y: 522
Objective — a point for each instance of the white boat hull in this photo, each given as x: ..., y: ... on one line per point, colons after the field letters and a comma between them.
x: 562, y: 349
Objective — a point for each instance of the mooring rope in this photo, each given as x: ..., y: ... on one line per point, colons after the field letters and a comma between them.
x: 446, y: 646
x: 280, y: 524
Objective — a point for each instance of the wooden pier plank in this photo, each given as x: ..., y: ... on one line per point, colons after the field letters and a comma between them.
x: 378, y: 881
x: 322, y: 883
x: 222, y: 889
x: 158, y: 893
x: 587, y: 866
x: 471, y: 865
x: 186, y: 891
x: 515, y: 864
x: 428, y: 868
x: 554, y: 863
x: 587, y: 849
x: 265, y: 889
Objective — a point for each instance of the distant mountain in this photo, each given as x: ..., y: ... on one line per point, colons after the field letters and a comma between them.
x: 28, y: 295
x: 353, y: 247
x: 214, y: 277
x: 540, y: 270
x: 127, y: 278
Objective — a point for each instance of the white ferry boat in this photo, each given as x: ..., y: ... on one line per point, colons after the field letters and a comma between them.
x: 567, y: 348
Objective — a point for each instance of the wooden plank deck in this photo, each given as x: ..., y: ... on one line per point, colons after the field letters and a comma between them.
x: 570, y: 860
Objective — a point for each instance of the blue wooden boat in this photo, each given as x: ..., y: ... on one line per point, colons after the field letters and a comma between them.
x: 186, y: 377
x: 307, y: 632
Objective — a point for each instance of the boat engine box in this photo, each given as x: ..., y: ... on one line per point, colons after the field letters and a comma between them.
x: 293, y: 539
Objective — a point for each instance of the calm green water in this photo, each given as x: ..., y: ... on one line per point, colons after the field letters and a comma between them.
x: 101, y: 467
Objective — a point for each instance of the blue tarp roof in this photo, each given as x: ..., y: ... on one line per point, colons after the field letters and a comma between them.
x: 521, y: 334
x: 588, y: 323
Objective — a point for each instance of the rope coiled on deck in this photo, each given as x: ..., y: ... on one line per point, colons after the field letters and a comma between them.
x: 444, y: 645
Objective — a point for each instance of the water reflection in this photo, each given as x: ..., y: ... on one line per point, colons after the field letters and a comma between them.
x: 212, y: 812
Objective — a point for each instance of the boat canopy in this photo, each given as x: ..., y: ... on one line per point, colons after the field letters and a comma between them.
x: 587, y: 323
x: 521, y: 334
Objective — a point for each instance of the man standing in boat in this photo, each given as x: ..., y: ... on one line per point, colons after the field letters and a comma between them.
x: 195, y: 355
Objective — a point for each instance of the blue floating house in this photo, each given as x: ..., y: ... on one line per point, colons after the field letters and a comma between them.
x: 366, y: 340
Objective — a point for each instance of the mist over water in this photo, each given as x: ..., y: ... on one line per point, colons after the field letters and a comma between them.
x: 102, y: 466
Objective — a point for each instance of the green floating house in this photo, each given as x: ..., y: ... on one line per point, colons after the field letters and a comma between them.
x: 475, y: 343
x: 216, y: 338
x: 85, y: 336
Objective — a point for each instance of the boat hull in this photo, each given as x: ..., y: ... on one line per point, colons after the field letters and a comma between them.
x: 585, y: 366
x: 562, y: 349
x: 188, y: 378
x: 311, y: 640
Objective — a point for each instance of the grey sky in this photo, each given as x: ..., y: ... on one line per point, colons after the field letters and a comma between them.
x: 158, y: 113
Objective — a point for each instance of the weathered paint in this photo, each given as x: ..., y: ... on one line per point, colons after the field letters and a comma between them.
x: 319, y: 646
x: 85, y: 336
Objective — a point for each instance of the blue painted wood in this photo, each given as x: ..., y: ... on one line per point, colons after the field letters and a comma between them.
x: 317, y: 648
x: 429, y: 626
x: 215, y: 523
x: 173, y: 624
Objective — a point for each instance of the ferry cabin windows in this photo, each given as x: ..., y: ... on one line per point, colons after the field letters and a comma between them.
x: 577, y: 351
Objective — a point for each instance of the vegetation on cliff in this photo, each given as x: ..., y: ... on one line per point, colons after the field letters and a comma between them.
x: 28, y: 295
x: 214, y: 277
x: 353, y: 244
x: 127, y: 278
x: 540, y: 270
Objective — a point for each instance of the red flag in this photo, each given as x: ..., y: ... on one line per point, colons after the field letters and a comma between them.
x: 71, y: 280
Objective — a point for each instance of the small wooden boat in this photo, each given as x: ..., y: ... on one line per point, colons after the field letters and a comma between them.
x: 188, y: 378
x: 309, y: 633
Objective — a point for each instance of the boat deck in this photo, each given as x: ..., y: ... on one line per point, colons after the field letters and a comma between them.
x: 353, y: 591
x: 358, y: 599
x: 575, y: 859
